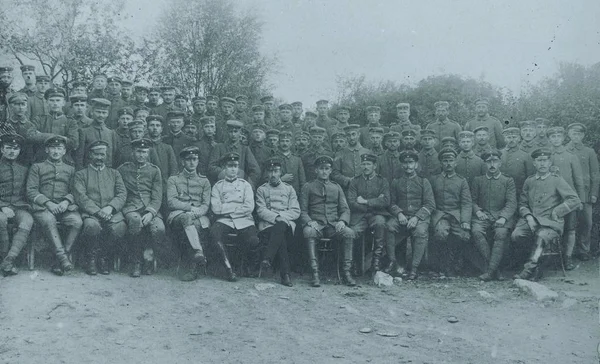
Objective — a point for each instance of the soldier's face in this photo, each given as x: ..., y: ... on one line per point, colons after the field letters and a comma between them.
x: 141, y: 95
x: 556, y: 139
x: 5, y: 79
x: 199, y: 107
x: 481, y: 109
x: 11, y: 151
x: 190, y: 163
x: 231, y: 169
x: 100, y: 115
x: 126, y: 91
x: 393, y: 144
x: 466, y: 144
x: 542, y: 164
x: 258, y: 116
x: 269, y: 105
x: 297, y: 111
x: 285, y: 115
x: 42, y: 85
x: 113, y: 87
x: 541, y: 130
x: 367, y: 167
x: 99, y: 83
x: 448, y: 164
x: 373, y: 117
x: 209, y: 129
x: 403, y: 114
x: 211, y: 105
x: 409, y: 166
x: 285, y: 144
x: 482, y: 137
x: 190, y: 130
x: 18, y: 108
x: 79, y: 90
x: 302, y: 142
x: 576, y: 136
x: 168, y: 96
x: 141, y: 155
x: 343, y: 116
x: 512, y: 140
x: 376, y: 139
x: 234, y: 134
x: 142, y: 114
x: 323, y: 171
x: 493, y: 164
x: 317, y: 139
x: 241, y: 105
x: 155, y: 129
x: 441, y: 113
x: 528, y: 133
x: 176, y: 125
x: 56, y: 103
x: 274, y: 174
x: 56, y: 152
x: 409, y: 141
x: 28, y: 77
x: 338, y: 144
x: 428, y: 142
x: 181, y: 104
x: 98, y: 156
x: 124, y: 120
x: 258, y: 135
x: 352, y: 137
x: 154, y: 97
x: 309, y: 120
x: 227, y: 109
x: 322, y: 110
x: 273, y: 141
x: 136, y: 133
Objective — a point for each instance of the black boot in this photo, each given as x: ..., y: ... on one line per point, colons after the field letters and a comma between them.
x: 103, y: 266
x: 314, y: 265
x: 137, y: 269
x: 286, y: 280
x: 7, y: 266
x: 347, y: 277
x: 231, y: 276
x: 91, y: 264
x: 19, y: 242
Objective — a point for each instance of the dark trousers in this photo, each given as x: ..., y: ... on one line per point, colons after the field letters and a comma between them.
x: 277, y: 237
x: 247, y: 239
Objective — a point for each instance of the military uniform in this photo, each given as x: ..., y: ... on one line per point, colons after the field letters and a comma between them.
x: 58, y: 124
x: 429, y: 163
x: 291, y: 163
x: 446, y: 128
x: 248, y: 169
x: 116, y: 104
x: 37, y: 106
x: 91, y: 134
x: 528, y: 146
x: 364, y: 138
x: 494, y: 126
x: 518, y: 165
x: 178, y: 142
x: 389, y: 166
x: 309, y: 157
x: 347, y: 165
x: 469, y: 166
x: 163, y: 156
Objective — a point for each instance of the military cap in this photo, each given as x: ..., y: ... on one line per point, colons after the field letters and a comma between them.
x: 77, y: 83
x: 511, y: 131
x: 241, y: 98
x: 189, y: 152
x: 125, y: 82
x: 527, y: 124
x: 141, y: 87
x: 541, y: 152
x: 140, y: 108
x: 285, y: 107
x: 125, y: 111
x: 226, y: 99
x: 266, y: 98
x: 482, y: 100
x: 323, y: 159
x: 403, y: 105
x: 175, y: 114
x: 211, y: 98
x: 272, y: 163
x: 466, y: 134
x: 310, y: 113
x: 409, y: 132
x: 234, y: 124
x: 98, y: 144
x: 154, y: 89
x: 555, y: 130
x: 441, y: 104
x: 54, y: 92
x: 142, y: 143
x: 351, y: 127
x: 376, y: 130
x: 100, y: 103
x: 189, y: 121
x: 303, y: 134
x: 258, y: 126
x: 447, y: 152
x: 409, y: 154
x: 230, y: 157
x: 152, y: 117
x: 371, y: 109
x: 285, y: 134
x: 393, y: 135
x: 296, y: 103
x: 481, y: 127
x: 427, y: 133
x: 577, y: 127
x: 491, y: 153
x: 5, y: 69
x: 273, y: 132
x: 368, y: 157
x: 258, y: 108
x: 542, y: 121
x: 201, y: 99
x: 27, y: 67
x: 17, y: 97
x: 42, y: 78
x: 323, y: 102
x: 207, y: 120
x: 338, y: 135
x: 114, y: 79
x: 448, y: 140
x: 343, y: 108
x: 317, y: 130
x: 103, y: 75
x: 167, y: 88
x: 12, y: 139
x: 56, y: 140
x: 180, y: 97
x: 138, y: 123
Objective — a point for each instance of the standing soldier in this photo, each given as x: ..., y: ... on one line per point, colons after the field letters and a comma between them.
x: 411, y: 206
x: 206, y: 143
x: 79, y: 110
x: 180, y: 103
x: 442, y: 126
x: 14, y: 208
x: 28, y: 73
x: 409, y: 138
x: 272, y: 140
x: 292, y: 169
x: 494, y: 206
x: 347, y: 165
x: 310, y: 120
x: 6, y: 79
x: 141, y: 94
x: 122, y: 130
x: 369, y: 199
x: 212, y: 103
x: 188, y: 198
x: 342, y: 116
x: 373, y: 117
x: 482, y: 140
x: 528, y: 136
x: 98, y: 131
x: 258, y: 115
x: 339, y: 142
x: 19, y: 124
x: 241, y: 109
x: 127, y: 92
x: 468, y: 164
x: 388, y: 164
x: 257, y: 144
x: 226, y: 114
x: 591, y: 183
x: 277, y: 210
x: 190, y: 128
x: 38, y: 107
x: 49, y: 191
x: 113, y: 94
x: 325, y: 213
x: 316, y: 149
x: 100, y: 193
x: 175, y: 137
x: 429, y: 163
x: 541, y: 126
x: 375, y: 138
x: 301, y: 146
x: 161, y: 154
x: 99, y: 83
x: 153, y: 100
x: 515, y: 162
x: 545, y: 200
x: 483, y: 118
x: 168, y: 96
x: 323, y: 120
x: 285, y: 119
x: 403, y: 123
x: 270, y: 117
x: 297, y: 115
x: 143, y: 182
x: 199, y: 110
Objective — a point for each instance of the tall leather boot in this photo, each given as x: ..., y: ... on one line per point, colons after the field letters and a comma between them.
x: 19, y: 242
x: 230, y: 273
x: 378, y: 250
x: 495, y: 259
x: 347, y: 276
x: 91, y: 263
x: 192, y: 235
x: 136, y: 257
x: 569, y: 241
x: 61, y: 254
x: 391, y: 252
x: 314, y: 264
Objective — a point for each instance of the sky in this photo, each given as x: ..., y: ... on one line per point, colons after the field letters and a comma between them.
x: 507, y: 43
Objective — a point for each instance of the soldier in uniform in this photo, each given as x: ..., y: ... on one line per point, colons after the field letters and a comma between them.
x: 100, y: 193
x: 323, y: 120
x: 541, y: 126
x: 241, y: 109
x: 28, y: 74
x: 369, y: 199
x: 199, y: 110
x: 591, y: 183
x: 6, y: 79
x: 188, y: 199
x: 141, y: 112
x: 122, y: 130
x: 339, y: 142
x: 515, y: 162
x: 482, y: 140
x: 347, y: 165
x: 38, y: 107
x: 388, y: 164
x: 310, y: 120
x: 449, y: 142
x: 297, y: 115
x: 19, y: 124
x: 342, y: 116
x: 429, y: 163
x: 285, y: 119
x: 232, y: 202
x: 226, y: 114
x: 302, y: 143
x: 451, y: 220
x: 409, y: 139
x: 49, y: 191
x: 161, y: 154
x: 127, y: 92
x: 468, y: 165
x: 190, y: 128
x: 140, y: 94
x: 98, y: 131
x: 270, y: 117
x: 483, y: 118
x: 99, y: 83
x: 257, y: 144
x: 113, y: 94
x: 14, y: 208
x: 442, y: 126
x: 143, y: 182
x: 494, y: 205
x: 403, y: 121
x: 411, y: 205
x: 168, y: 96
x: 258, y: 115
x: 292, y: 169
x: 316, y: 149
x: 206, y: 143
x: 137, y: 130
x: 277, y: 210
x: 528, y: 136
x: 545, y: 200
x: 175, y: 137
x: 153, y: 100
x: 212, y: 103
x: 375, y: 138
x: 272, y: 140
x: 180, y: 103
x: 79, y: 110
x: 373, y: 117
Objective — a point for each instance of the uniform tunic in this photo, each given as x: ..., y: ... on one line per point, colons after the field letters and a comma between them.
x: 429, y: 163
x: 91, y: 134
x: 178, y: 142
x: 479, y: 149
x: 375, y: 190
x: 293, y: 164
x: 186, y: 190
x: 446, y: 128
x: 164, y: 157
x: 528, y: 146
x: 50, y: 181
x: 452, y: 196
x: 389, y: 166
x: 494, y: 126
x: 308, y: 160
x: 248, y: 168
x: 365, y: 135
x: 82, y: 121
x: 13, y: 177
x: 58, y: 124
x: 323, y: 202
x: 37, y: 106
x: 347, y: 165
x: 144, y: 188
x: 116, y: 103
x: 469, y: 166
x: 569, y: 168
x: 261, y: 153
x: 412, y: 196
x: 95, y: 188
x: 273, y: 201
x: 233, y: 203
x: 518, y: 165
x: 495, y: 195
x: 589, y: 168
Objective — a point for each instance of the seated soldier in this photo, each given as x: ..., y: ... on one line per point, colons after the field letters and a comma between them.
x: 188, y: 197
x: 545, y: 201
x: 49, y: 191
x: 277, y: 210
x: 232, y: 202
x: 13, y: 204
x: 100, y: 193
x: 368, y: 199
x: 143, y: 182
x: 494, y: 206
x: 411, y: 206
x: 325, y: 213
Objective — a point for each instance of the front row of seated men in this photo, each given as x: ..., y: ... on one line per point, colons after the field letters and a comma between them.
x: 105, y: 206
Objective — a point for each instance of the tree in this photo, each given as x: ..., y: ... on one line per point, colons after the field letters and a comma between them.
x: 205, y: 47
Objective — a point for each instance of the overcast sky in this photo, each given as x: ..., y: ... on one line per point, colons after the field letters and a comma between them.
x: 508, y: 43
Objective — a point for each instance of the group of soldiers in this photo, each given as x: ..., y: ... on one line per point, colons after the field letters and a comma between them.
x: 108, y: 163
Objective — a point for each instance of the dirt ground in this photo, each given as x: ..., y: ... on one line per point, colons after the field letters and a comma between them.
x: 158, y: 319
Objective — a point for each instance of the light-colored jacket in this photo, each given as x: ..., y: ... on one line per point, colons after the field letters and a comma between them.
x: 273, y: 201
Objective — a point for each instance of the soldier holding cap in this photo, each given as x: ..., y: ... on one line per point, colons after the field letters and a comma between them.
x: 188, y: 199
x: 442, y: 126
x: 99, y: 131
x: 542, y: 220
x: 232, y: 201
x: 368, y: 199
x: 494, y: 206
x: 14, y: 208
x: 79, y: 110
x: 528, y: 136
x: 411, y: 206
x: 347, y: 165
x: 28, y: 74
x: 373, y: 117
x: 482, y: 140
x: 38, y: 105
x: 483, y: 118
x: 388, y: 164
x: 277, y: 210
x: 591, y: 182
x: 429, y: 163
x: 174, y: 136
x: 468, y: 164
x: 143, y: 181
x: 515, y: 162
x: 325, y: 213
x: 49, y: 192
x: 292, y: 168
x: 100, y: 193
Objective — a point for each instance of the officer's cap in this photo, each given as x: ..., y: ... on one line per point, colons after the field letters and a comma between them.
x: 310, y: 113
x: 199, y: 99
x: 74, y: 98
x: 427, y: 133
x: 285, y: 107
x: 323, y: 102
x: 296, y: 103
x: 256, y: 108
x: 142, y: 143
x: 409, y: 132
x: 577, y: 127
x: 42, y: 78
x: 481, y: 127
x: 188, y: 152
x: 403, y: 106
x: 555, y: 130
x: 180, y: 97
x: 137, y: 124
x: 303, y: 134
x: 154, y: 117
x: 491, y: 153
x: 18, y: 97
x: 511, y: 131
x: 100, y: 103
x: 267, y: 98
x: 14, y: 139
x: 207, y: 120
x: 114, y: 79
x: 27, y: 67
x: 272, y: 163
x: 317, y: 130
x: 227, y: 100
x: 235, y: 124
x: 154, y: 89
x: 541, y: 152
x: 98, y: 144
x: 285, y: 134
x: 54, y: 92
x: 371, y: 109
x: 175, y: 114
x: 409, y: 155
x: 368, y: 157
x: 324, y: 159
x: 125, y: 111
x: 351, y: 127
x: 55, y: 141
x: 338, y: 135
x: 447, y: 152
x: 393, y: 135
x: 376, y: 130
x: 240, y: 98
x: 273, y: 132
x: 441, y: 104
x: 5, y: 69
x: 449, y: 141
x: 466, y: 134
x: 527, y: 124
x: 230, y: 157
